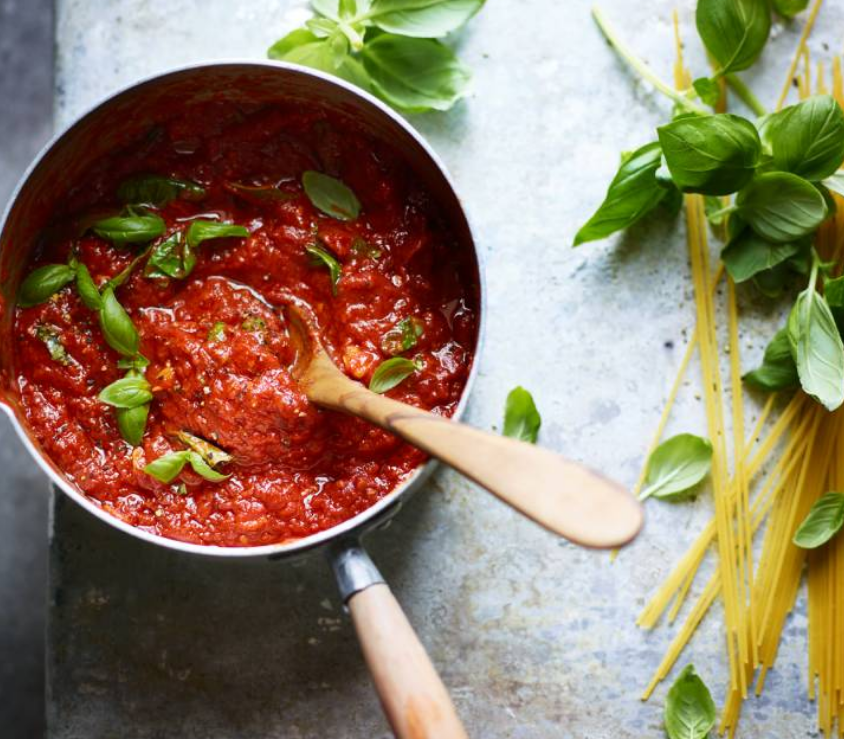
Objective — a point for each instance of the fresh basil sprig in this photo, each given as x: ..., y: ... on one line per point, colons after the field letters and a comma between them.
x: 689, y: 711
x: 44, y: 282
x: 168, y: 467
x: 521, y: 418
x: 199, y: 231
x: 128, y: 392
x: 676, y: 466
x: 132, y: 423
x: 388, y: 47
x: 393, y: 372
x: 157, y: 191
x: 403, y: 336
x: 733, y: 31
x: 748, y: 254
x: 822, y: 523
x: 117, y: 327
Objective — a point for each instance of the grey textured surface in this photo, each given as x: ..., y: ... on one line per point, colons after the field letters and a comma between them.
x: 26, y: 61
x: 534, y: 637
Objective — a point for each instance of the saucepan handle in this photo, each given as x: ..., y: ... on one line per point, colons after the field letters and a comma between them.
x: 414, y: 698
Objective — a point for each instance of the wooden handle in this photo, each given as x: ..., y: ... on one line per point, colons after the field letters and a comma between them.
x: 414, y: 698
x: 564, y: 496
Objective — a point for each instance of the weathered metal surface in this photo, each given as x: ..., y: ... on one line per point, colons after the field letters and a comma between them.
x: 535, y: 637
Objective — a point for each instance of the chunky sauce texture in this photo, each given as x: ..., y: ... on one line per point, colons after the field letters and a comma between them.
x: 217, y: 341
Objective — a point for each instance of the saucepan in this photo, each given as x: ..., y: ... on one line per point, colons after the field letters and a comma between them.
x: 415, y: 700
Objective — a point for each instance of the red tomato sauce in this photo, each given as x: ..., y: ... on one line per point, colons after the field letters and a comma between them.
x: 217, y: 341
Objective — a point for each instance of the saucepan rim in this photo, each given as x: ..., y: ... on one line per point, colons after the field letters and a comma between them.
x: 382, y: 509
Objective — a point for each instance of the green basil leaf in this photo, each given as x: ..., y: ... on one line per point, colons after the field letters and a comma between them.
x: 833, y: 292
x: 676, y: 466
x: 157, y: 191
x: 777, y: 371
x: 773, y: 282
x: 42, y: 283
x: 328, y: 55
x: 127, y: 392
x: 817, y: 349
x: 119, y: 331
x: 807, y: 139
x: 131, y: 229
x: 200, y: 231
x: 521, y: 418
x: 790, y: 8
x: 126, y: 272
x: 835, y: 182
x: 708, y: 90
x: 331, y: 196
x: 321, y: 27
x: 138, y: 362
x: 167, y: 468
x: 51, y: 337
x: 320, y: 256
x: 211, y: 454
x: 88, y: 291
x: 132, y: 422
x: 403, y: 336
x: 713, y: 155
x: 733, y: 31
x: 337, y: 9
x: 259, y: 193
x: 414, y: 75
x: 202, y: 469
x: 748, y: 254
x: 422, y: 18
x: 781, y: 207
x: 689, y: 708
x: 172, y: 257
x: 217, y: 332
x: 391, y: 373
x: 823, y: 522
x: 296, y: 38
x: 633, y: 193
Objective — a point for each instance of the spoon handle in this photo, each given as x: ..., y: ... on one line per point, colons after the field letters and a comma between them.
x: 561, y: 495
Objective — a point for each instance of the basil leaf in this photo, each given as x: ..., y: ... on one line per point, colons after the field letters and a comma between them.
x: 773, y: 282
x: 521, y: 418
x: 713, y: 155
x: 708, y: 90
x: 414, y: 75
x: 748, y: 254
x: 157, y: 191
x: 119, y: 331
x: 391, y: 373
x: 42, y: 283
x: 777, y: 371
x: 88, y: 291
x: 138, y: 362
x: 817, y: 349
x: 217, y: 332
x: 808, y: 138
x: 403, y: 336
x: 51, y: 337
x: 781, y: 207
x: 689, y: 708
x: 328, y: 55
x: 172, y: 257
x: 321, y: 27
x: 167, y: 468
x: 129, y: 229
x: 833, y: 292
x: 200, y: 231
x: 733, y: 31
x: 128, y: 392
x: 320, y: 256
x: 790, y: 8
x: 126, y: 272
x: 422, y: 18
x: 203, y: 470
x: 633, y: 193
x: 835, y: 182
x: 331, y: 196
x: 296, y: 38
x: 676, y: 466
x: 211, y: 454
x: 259, y: 193
x: 132, y: 422
x: 823, y: 522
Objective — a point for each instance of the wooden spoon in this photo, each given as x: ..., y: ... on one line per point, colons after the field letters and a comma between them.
x: 564, y: 496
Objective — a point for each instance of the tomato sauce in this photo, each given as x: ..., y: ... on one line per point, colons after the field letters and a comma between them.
x: 217, y: 341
